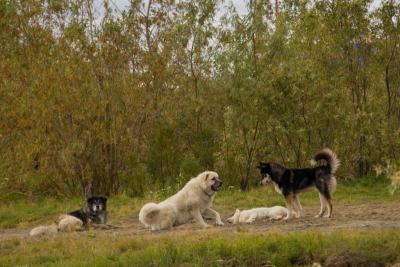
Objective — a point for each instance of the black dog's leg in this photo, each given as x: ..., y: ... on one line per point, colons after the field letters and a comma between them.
x: 325, y: 196
x: 330, y: 207
x: 323, y: 205
x: 289, y: 204
x: 299, y: 208
x: 103, y: 217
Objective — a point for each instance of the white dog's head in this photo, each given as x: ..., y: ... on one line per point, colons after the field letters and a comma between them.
x: 209, y: 181
x: 235, y: 218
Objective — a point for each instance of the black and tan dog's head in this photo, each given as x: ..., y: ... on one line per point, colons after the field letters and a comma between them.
x: 96, y: 204
x: 270, y: 172
x: 265, y: 171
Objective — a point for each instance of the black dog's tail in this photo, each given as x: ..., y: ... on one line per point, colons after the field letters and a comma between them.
x: 329, y: 156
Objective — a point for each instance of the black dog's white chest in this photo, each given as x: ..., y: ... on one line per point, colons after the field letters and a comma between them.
x: 277, y: 188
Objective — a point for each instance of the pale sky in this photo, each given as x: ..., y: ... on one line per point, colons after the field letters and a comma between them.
x: 239, y: 4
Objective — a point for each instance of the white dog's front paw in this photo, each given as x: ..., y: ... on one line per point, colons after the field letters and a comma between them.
x: 219, y: 223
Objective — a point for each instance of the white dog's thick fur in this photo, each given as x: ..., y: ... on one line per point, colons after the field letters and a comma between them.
x: 44, y: 230
x: 68, y: 223
x: 65, y: 223
x: 249, y: 216
x: 192, y: 202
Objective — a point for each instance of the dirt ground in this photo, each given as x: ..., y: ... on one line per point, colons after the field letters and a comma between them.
x: 357, y: 217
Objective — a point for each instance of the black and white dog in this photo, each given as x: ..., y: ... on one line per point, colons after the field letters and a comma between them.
x: 291, y: 182
x: 94, y: 211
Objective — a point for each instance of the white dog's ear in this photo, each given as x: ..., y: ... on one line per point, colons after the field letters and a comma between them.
x: 237, y: 210
x: 207, y: 175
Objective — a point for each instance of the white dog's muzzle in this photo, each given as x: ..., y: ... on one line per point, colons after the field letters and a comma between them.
x: 97, y: 207
x: 265, y: 179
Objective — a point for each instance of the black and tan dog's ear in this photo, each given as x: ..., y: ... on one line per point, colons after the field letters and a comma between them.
x: 260, y: 165
x: 104, y: 199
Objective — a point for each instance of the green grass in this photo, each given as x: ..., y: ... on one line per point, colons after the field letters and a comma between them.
x: 26, y: 213
x: 206, y: 248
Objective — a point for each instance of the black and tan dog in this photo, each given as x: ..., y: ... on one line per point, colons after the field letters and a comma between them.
x: 291, y: 182
x: 94, y: 211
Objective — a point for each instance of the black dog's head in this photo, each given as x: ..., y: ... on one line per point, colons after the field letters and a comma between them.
x: 97, y: 203
x: 265, y: 171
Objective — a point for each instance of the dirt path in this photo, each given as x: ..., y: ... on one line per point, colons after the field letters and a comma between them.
x: 364, y: 216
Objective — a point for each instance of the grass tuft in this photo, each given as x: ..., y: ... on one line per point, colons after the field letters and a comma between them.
x: 375, y: 248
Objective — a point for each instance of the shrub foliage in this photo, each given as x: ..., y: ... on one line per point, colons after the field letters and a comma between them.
x: 95, y: 99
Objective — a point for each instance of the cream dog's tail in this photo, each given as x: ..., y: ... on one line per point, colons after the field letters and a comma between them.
x: 149, y: 213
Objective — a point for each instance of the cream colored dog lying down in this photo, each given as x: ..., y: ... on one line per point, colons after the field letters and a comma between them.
x: 65, y: 223
x: 249, y: 216
x: 192, y: 202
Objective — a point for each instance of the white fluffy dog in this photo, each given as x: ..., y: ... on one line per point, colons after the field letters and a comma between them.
x: 192, y: 202
x: 68, y: 223
x: 65, y: 223
x: 249, y: 216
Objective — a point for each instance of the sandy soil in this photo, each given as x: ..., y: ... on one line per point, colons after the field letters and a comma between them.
x: 359, y: 217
